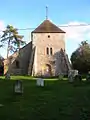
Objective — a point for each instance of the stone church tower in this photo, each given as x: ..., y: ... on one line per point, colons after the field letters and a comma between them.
x: 50, y: 59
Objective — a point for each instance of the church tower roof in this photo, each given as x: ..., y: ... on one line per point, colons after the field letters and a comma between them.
x: 47, y: 27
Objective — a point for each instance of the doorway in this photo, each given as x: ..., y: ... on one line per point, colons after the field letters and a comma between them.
x: 48, y: 70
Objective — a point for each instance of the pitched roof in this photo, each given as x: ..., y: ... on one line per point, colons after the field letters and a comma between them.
x: 47, y: 27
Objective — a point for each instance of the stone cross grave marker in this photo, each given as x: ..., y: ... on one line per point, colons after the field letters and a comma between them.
x: 18, y: 87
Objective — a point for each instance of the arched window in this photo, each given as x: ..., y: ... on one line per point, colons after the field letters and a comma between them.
x: 47, y: 51
x: 51, y: 52
x: 17, y: 64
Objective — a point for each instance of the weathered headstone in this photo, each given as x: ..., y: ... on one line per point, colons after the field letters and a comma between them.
x: 7, y: 76
x: 61, y: 77
x: 88, y: 77
x: 75, y: 72
x: 72, y: 74
x: 18, y: 87
x: 40, y: 82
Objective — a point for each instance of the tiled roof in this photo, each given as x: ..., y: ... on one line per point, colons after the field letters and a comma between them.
x: 47, y: 27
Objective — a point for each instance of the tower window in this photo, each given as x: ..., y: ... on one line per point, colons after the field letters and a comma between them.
x: 17, y: 64
x: 48, y: 36
x: 50, y: 51
x: 47, y: 51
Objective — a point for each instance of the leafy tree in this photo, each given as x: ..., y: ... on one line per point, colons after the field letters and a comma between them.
x: 81, y: 58
x: 12, y: 39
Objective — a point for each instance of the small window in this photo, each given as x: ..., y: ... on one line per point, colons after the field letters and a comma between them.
x: 50, y: 51
x: 47, y: 51
x: 48, y: 36
x: 17, y: 64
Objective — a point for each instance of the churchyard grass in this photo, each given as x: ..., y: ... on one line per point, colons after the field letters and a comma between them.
x: 57, y: 100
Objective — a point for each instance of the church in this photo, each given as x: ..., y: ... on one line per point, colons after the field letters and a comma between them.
x: 44, y: 55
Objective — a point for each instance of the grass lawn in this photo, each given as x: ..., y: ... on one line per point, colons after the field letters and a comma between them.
x: 58, y: 100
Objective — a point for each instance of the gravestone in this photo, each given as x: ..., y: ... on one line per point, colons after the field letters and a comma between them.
x: 7, y: 76
x: 88, y: 77
x: 40, y: 82
x: 61, y: 77
x: 74, y: 77
x: 72, y: 74
x: 18, y: 87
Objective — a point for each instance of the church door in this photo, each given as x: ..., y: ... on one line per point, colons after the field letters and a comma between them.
x: 48, y: 70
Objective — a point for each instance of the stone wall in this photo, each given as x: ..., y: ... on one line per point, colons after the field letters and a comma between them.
x: 23, y: 58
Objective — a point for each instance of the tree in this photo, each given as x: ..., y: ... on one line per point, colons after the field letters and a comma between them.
x: 1, y: 60
x: 83, y: 43
x: 80, y: 58
x: 12, y: 39
x: 1, y: 65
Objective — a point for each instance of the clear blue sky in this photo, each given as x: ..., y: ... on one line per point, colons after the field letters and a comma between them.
x: 30, y: 13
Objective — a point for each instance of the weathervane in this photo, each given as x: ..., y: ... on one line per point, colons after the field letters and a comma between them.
x: 46, y: 12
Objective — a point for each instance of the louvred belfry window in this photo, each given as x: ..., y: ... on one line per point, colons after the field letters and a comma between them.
x: 47, y: 51
x: 51, y: 51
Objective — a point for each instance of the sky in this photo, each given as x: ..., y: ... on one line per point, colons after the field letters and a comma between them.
x: 30, y: 13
